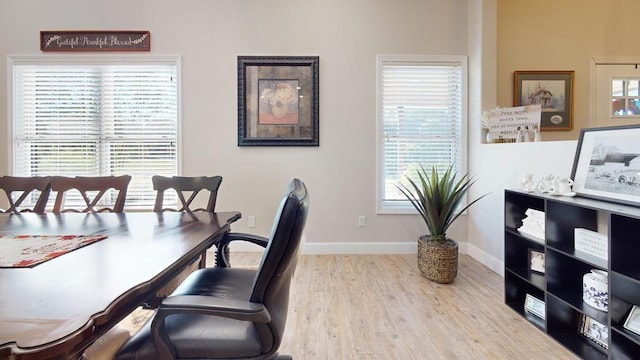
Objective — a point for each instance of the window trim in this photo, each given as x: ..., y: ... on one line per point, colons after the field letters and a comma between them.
x: 405, y: 207
x: 13, y: 60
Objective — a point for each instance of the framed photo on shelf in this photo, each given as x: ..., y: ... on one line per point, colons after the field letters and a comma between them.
x: 607, y: 164
x: 633, y: 320
x: 534, y: 306
x: 278, y: 100
x: 594, y: 331
x: 552, y: 90
x: 536, y: 261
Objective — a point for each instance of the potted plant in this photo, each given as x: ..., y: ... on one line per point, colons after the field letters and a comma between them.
x: 437, y: 197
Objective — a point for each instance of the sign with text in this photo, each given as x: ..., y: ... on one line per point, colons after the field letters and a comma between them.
x: 95, y: 40
x: 508, y: 123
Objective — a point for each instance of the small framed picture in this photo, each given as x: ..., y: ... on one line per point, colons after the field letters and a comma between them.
x: 633, y: 320
x: 552, y: 90
x: 534, y: 306
x: 536, y: 261
x: 594, y: 331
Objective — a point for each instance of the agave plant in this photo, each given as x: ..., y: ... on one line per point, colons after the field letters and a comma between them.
x: 437, y: 198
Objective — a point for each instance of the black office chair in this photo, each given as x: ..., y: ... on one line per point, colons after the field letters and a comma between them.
x: 229, y: 313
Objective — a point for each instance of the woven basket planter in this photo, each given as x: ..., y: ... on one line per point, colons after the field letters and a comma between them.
x: 438, y: 262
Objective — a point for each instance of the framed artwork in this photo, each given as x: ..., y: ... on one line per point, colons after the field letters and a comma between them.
x: 594, y: 331
x: 536, y: 261
x: 607, y: 164
x: 278, y: 100
x: 552, y: 90
x: 633, y: 320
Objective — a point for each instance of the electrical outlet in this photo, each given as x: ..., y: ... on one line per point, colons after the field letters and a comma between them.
x: 251, y: 221
x: 362, y: 221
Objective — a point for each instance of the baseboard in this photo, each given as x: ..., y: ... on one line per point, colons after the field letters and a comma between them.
x: 359, y: 248
x: 377, y: 248
x: 485, y: 259
x: 340, y: 248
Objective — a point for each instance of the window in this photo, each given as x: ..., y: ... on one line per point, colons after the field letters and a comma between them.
x: 96, y: 117
x: 421, y: 121
x: 625, y: 97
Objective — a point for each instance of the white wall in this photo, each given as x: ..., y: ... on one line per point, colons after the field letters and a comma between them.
x: 347, y: 36
x: 210, y: 34
x: 498, y: 166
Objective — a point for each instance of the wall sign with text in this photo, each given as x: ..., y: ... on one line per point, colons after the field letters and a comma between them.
x: 507, y: 123
x: 95, y: 41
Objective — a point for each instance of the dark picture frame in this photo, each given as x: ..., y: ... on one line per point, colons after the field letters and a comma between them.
x: 92, y: 40
x: 553, y: 90
x: 596, y: 332
x: 607, y: 164
x: 278, y: 100
x: 536, y: 261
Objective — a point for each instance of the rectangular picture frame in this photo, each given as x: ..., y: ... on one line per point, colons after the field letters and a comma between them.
x: 278, y: 100
x: 536, y: 261
x: 606, y: 165
x: 596, y: 332
x: 95, y: 40
x: 534, y: 306
x: 632, y: 323
x: 591, y: 242
x: 553, y: 90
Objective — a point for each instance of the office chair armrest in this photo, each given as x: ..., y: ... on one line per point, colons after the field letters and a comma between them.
x: 222, y: 249
x: 256, y: 239
x: 201, y: 305
x: 215, y: 306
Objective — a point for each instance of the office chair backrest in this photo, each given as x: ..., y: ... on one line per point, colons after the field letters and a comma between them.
x: 35, y: 186
x: 273, y: 278
x: 92, y: 190
x: 183, y: 185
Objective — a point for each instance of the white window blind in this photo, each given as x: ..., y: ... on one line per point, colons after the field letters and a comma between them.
x: 96, y: 120
x: 421, y: 108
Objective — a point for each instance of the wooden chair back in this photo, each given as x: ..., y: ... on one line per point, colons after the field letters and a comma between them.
x: 92, y: 190
x: 18, y: 189
x: 183, y: 186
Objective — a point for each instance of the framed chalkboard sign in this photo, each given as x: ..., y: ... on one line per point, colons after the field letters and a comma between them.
x: 95, y: 41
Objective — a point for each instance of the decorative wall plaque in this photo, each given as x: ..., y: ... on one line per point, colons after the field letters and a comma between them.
x: 95, y: 40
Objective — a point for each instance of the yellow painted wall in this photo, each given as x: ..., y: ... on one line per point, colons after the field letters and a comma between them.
x: 563, y: 35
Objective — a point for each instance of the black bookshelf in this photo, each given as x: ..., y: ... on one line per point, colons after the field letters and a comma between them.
x: 560, y: 286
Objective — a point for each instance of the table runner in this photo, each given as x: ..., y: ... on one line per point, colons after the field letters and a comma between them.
x: 19, y: 251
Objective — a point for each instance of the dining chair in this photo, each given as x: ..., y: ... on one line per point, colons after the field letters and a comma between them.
x: 92, y: 193
x: 185, y: 189
x: 183, y: 186
x: 18, y: 189
x: 230, y: 313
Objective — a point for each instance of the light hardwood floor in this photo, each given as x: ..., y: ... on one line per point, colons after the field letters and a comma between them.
x: 380, y: 307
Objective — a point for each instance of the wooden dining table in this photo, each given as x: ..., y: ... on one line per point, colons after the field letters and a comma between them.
x: 57, y: 308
